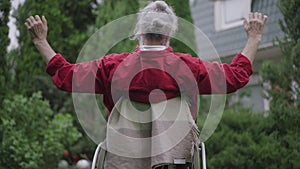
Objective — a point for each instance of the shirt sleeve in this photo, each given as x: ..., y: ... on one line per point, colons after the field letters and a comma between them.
x: 86, y: 77
x: 215, y: 78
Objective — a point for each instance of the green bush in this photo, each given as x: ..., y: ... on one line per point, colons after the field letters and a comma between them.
x: 243, y: 140
x: 31, y: 135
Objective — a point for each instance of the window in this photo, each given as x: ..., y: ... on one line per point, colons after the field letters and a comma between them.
x: 230, y: 13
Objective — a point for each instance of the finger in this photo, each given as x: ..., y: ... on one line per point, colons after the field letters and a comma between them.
x: 38, y: 19
x: 260, y: 16
x: 28, y: 20
x: 251, y: 15
x: 245, y: 23
x: 256, y: 15
x: 27, y: 25
x: 44, y: 20
x: 265, y: 18
x: 32, y: 20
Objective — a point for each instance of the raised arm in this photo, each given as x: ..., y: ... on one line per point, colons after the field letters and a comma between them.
x: 237, y: 74
x: 89, y: 77
x: 38, y: 30
x: 254, y: 30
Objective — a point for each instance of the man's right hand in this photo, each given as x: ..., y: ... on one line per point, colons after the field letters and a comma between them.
x: 37, y: 27
x: 38, y: 30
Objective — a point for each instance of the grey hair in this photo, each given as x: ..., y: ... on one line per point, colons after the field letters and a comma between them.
x: 156, y: 18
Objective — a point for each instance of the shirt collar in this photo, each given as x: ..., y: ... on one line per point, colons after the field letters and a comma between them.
x: 169, y: 48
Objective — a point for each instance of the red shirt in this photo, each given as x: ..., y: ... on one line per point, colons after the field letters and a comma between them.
x: 137, y: 74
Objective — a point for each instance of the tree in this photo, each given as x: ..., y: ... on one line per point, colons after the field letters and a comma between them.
x: 4, y: 68
x: 32, y: 136
x: 182, y: 10
x: 68, y: 25
x: 111, y: 10
x: 284, y: 91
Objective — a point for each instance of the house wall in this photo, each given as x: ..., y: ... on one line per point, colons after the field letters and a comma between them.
x: 231, y: 41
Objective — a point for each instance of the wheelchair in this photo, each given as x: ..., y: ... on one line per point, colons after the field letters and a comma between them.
x: 98, y: 161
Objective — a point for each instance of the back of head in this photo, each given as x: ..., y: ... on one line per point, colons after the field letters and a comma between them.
x: 156, y: 19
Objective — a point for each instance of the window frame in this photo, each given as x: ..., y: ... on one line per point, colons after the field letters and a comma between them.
x: 219, y: 16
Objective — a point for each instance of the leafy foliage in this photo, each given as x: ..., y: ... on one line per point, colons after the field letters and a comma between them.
x: 243, y: 140
x: 111, y: 10
x: 182, y: 10
x: 284, y: 83
x: 4, y: 68
x: 68, y: 25
x: 31, y: 135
